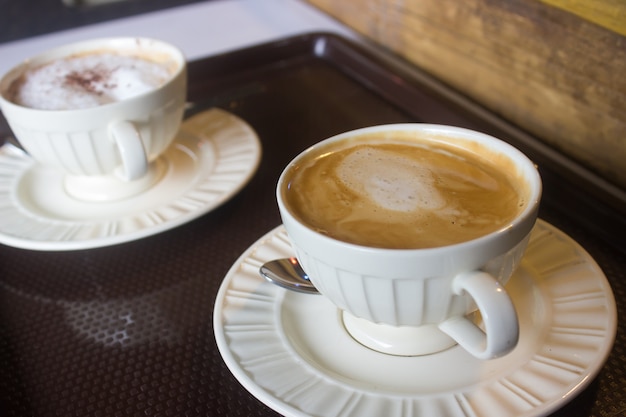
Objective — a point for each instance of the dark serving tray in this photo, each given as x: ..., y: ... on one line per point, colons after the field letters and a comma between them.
x: 293, y: 92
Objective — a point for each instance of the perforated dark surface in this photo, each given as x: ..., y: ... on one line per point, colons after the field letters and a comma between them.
x: 127, y: 330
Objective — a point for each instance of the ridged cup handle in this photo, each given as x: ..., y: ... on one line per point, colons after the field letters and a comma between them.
x: 132, y: 152
x: 498, y: 313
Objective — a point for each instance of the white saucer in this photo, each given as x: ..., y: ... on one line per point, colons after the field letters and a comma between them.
x: 291, y: 351
x: 214, y: 155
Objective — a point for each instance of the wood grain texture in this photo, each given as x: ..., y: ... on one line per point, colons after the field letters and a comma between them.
x: 610, y: 14
x: 555, y: 74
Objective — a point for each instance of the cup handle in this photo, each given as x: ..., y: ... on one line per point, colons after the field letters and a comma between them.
x: 130, y: 145
x: 500, y: 319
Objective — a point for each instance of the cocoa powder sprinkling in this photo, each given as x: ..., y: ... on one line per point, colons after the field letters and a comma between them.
x: 86, y: 81
x: 91, y: 80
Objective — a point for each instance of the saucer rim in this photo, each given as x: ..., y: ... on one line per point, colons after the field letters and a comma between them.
x: 22, y: 162
x: 592, y: 367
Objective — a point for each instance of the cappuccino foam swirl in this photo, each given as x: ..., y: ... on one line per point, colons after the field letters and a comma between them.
x: 87, y: 81
x: 398, y: 195
x: 390, y: 181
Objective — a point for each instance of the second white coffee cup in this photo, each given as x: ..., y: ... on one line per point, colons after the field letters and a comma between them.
x: 417, y: 301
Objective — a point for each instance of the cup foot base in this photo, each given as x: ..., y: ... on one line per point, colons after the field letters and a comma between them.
x: 397, y: 340
x: 110, y: 187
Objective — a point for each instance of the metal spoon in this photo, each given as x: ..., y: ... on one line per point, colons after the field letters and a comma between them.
x: 287, y: 273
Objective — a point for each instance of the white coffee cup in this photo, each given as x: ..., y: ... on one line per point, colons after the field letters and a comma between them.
x: 421, y: 301
x: 107, y: 151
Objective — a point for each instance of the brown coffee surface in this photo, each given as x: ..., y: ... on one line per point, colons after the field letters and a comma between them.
x: 403, y: 193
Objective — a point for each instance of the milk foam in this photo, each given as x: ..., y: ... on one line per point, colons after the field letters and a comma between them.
x: 88, y: 81
x: 391, y: 181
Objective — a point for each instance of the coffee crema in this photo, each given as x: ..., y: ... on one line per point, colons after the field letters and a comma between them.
x: 387, y: 191
x: 87, y: 80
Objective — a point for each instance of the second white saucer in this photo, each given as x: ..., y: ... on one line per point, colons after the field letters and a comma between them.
x: 292, y: 352
x: 214, y: 155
